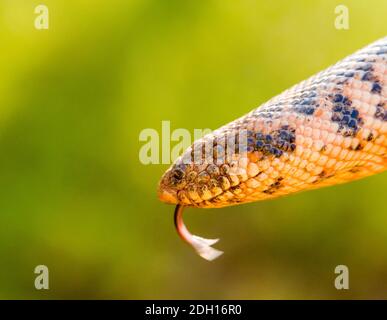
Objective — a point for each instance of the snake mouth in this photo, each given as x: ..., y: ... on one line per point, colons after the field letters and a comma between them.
x: 167, y: 196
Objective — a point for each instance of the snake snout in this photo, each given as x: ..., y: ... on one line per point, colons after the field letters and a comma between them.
x: 168, y: 196
x: 167, y: 192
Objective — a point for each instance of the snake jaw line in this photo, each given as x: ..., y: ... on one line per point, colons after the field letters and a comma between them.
x: 201, y: 245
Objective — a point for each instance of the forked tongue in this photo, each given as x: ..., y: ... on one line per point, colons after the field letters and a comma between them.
x: 201, y: 245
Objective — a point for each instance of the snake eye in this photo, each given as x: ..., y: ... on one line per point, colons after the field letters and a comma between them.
x: 177, y: 178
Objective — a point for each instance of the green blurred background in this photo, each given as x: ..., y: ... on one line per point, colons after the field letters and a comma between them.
x: 74, y: 196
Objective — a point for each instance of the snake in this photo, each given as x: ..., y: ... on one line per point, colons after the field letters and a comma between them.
x: 327, y: 130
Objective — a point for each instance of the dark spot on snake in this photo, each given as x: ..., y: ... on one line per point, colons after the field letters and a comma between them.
x: 345, y: 120
x: 380, y: 112
x: 322, y: 174
x: 268, y: 138
x: 367, y: 76
x: 275, y: 143
x: 346, y: 116
x: 355, y: 114
x: 376, y: 88
x: 338, y: 98
x: 259, y: 144
x: 370, y: 137
x: 236, y: 190
x: 359, y: 147
x: 354, y: 170
x: 338, y: 107
x: 277, y: 152
x: 352, y: 124
x: 274, y: 186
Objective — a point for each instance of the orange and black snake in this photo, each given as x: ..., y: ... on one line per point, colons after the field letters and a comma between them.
x: 326, y: 130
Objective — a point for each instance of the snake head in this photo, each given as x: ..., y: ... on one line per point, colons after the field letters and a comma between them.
x: 171, y: 183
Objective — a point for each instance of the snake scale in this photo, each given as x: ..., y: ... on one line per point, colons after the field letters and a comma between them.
x: 326, y: 130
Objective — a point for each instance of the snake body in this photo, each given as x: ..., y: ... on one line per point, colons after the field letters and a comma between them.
x: 326, y: 130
